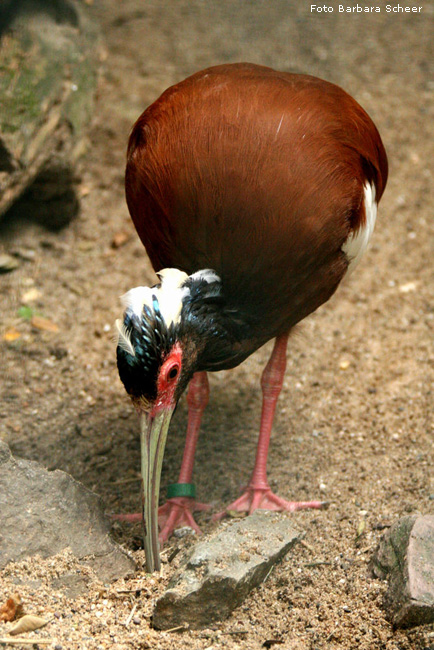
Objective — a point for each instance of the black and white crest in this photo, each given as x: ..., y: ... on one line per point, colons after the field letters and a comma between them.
x: 148, y: 331
x: 143, y: 343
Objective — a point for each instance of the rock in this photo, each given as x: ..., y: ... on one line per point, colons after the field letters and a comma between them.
x: 72, y: 585
x: 42, y: 513
x: 217, y: 573
x: 405, y: 556
x: 50, y: 59
x: 8, y: 263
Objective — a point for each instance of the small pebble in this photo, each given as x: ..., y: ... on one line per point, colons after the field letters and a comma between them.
x: 408, y: 287
x: 28, y: 255
x: 136, y: 620
x: 183, y: 532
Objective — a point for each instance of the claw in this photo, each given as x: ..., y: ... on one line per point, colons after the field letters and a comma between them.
x: 263, y: 498
x: 175, y: 513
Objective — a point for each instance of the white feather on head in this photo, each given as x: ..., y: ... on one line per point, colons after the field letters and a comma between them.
x: 169, y: 294
x: 123, y: 338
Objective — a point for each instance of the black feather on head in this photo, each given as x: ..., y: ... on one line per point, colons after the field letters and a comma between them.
x: 151, y: 340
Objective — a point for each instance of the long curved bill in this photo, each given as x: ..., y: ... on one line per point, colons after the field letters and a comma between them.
x: 153, y: 434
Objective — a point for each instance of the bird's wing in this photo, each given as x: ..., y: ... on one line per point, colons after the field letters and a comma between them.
x: 257, y: 174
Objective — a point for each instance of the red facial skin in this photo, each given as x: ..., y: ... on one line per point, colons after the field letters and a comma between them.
x: 167, y: 381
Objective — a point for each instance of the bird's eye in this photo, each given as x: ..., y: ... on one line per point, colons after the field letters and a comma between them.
x: 173, y: 373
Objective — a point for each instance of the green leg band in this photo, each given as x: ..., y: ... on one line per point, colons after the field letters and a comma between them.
x: 181, y: 490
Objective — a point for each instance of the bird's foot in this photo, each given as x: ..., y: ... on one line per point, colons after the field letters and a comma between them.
x: 262, y: 497
x: 175, y: 513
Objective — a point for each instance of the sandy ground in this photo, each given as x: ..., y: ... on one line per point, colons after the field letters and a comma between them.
x: 355, y: 422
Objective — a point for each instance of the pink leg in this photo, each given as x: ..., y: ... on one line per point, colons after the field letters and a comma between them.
x: 176, y: 512
x: 258, y: 493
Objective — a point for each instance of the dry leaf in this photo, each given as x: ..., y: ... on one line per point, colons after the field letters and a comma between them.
x: 11, y: 335
x: 31, y: 295
x: 28, y: 623
x: 12, y: 609
x: 120, y: 238
x: 44, y: 324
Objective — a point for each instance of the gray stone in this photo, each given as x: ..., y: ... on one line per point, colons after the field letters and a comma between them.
x: 50, y: 60
x: 405, y: 556
x: 217, y: 573
x: 73, y: 585
x: 43, y: 513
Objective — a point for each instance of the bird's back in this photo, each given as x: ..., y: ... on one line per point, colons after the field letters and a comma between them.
x: 259, y: 175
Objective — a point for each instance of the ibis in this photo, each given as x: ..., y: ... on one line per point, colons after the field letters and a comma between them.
x: 254, y: 193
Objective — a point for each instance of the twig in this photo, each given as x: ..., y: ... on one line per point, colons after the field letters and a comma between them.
x: 310, y: 565
x: 306, y: 545
x: 102, y: 463
x: 138, y: 587
x: 19, y: 640
x: 130, y: 615
x: 173, y: 554
x: 266, y: 577
x: 177, y: 629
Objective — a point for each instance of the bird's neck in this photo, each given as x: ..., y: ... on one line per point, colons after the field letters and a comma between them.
x: 214, y: 334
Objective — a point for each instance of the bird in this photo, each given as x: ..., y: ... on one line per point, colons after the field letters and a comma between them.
x: 254, y: 193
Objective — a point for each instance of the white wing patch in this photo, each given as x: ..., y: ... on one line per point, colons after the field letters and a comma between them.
x: 356, y: 244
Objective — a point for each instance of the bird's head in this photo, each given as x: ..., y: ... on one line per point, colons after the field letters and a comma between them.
x: 156, y: 357
x: 149, y: 355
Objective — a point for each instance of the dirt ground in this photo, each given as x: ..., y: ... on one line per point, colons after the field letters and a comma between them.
x: 355, y: 423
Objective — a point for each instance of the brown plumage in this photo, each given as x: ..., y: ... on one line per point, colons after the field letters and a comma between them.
x: 259, y: 175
